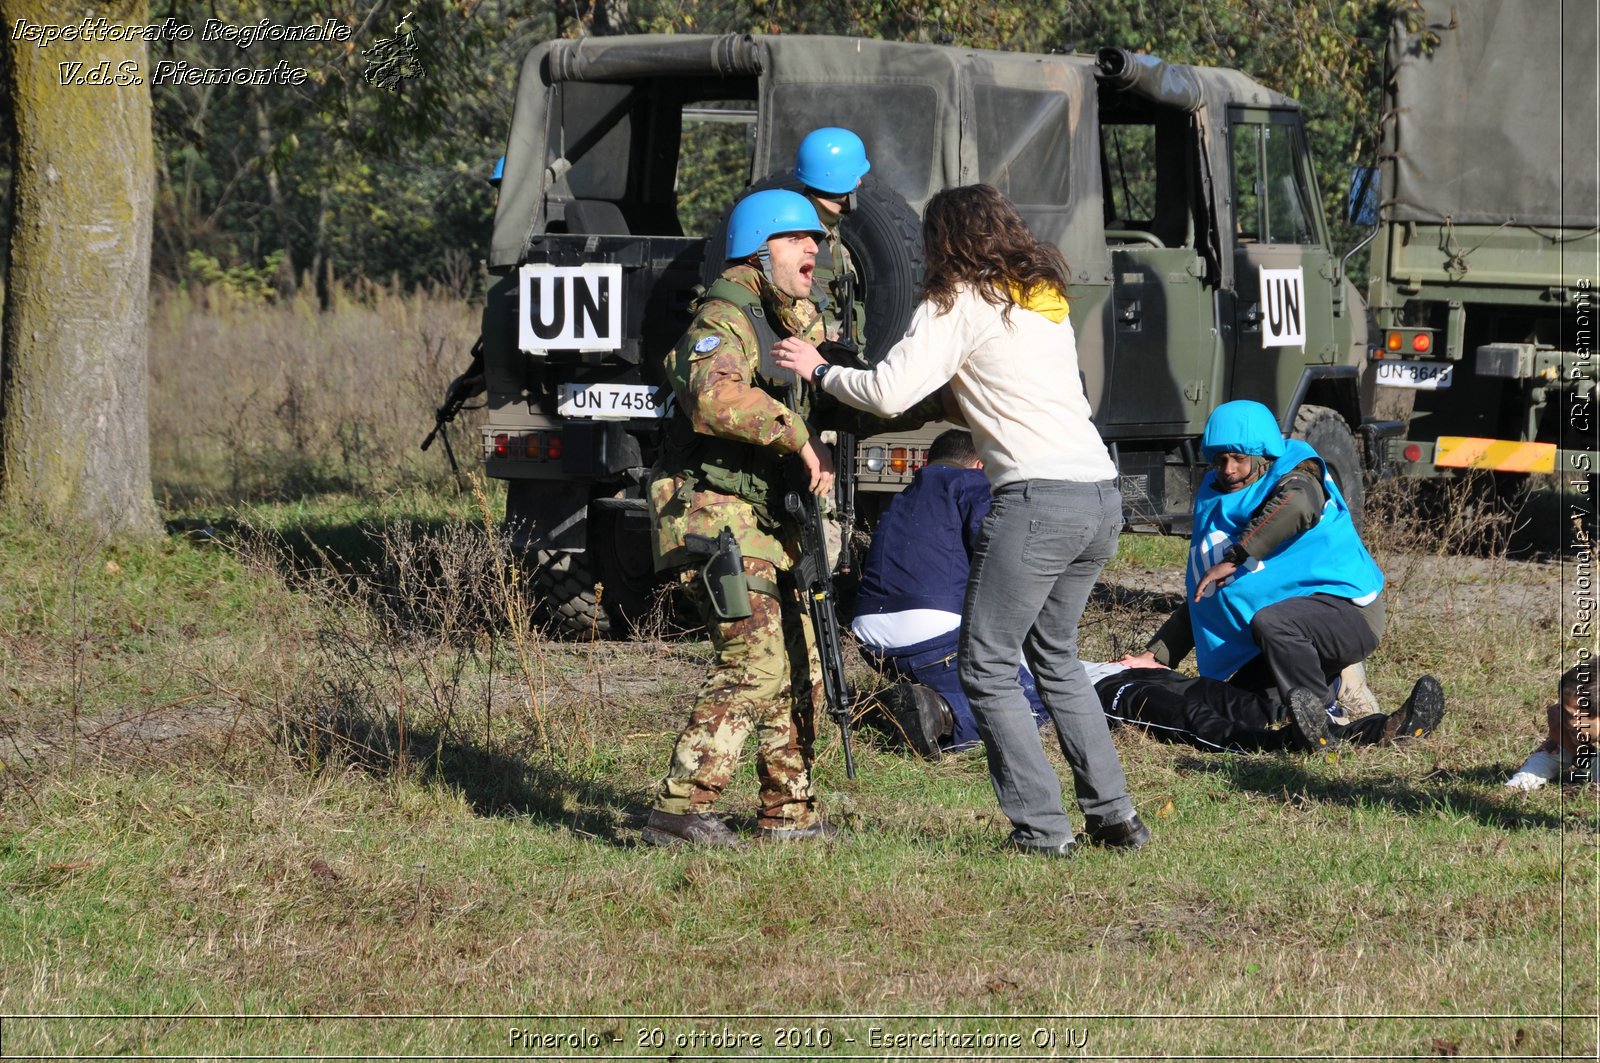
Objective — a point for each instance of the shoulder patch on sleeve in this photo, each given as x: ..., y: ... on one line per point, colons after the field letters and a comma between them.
x: 707, y: 344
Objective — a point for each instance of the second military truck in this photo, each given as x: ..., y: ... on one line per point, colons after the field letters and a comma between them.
x: 1484, y: 263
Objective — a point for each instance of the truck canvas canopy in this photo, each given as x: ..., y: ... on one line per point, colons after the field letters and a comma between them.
x: 1496, y: 123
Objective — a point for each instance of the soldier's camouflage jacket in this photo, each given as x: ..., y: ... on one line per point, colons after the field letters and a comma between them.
x: 728, y: 444
x: 731, y: 446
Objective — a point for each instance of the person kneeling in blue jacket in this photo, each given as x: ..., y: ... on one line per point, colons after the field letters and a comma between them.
x: 908, y: 608
x: 1281, y: 595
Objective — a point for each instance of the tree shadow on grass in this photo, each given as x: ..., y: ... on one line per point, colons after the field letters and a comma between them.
x: 499, y: 783
x: 1454, y: 793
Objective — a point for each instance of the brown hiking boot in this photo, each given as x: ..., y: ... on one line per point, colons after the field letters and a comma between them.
x: 691, y: 828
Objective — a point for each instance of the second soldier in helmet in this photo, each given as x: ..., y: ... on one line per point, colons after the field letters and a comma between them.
x: 830, y: 163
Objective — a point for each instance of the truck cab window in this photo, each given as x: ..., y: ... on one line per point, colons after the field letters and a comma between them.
x: 1288, y: 217
x: 1129, y: 152
x: 1247, y: 188
x: 1145, y: 164
x: 658, y: 157
x: 1271, y: 204
x: 714, y: 157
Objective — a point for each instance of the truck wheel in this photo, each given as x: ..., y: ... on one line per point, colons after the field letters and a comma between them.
x: 1330, y: 437
x: 563, y: 586
x: 884, y: 236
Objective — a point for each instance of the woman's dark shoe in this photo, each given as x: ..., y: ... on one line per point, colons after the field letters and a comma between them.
x: 921, y: 714
x: 1130, y: 833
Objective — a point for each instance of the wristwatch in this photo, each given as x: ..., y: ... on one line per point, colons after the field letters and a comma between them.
x: 819, y: 372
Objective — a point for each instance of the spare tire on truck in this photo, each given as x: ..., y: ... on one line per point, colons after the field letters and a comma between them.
x: 566, y: 598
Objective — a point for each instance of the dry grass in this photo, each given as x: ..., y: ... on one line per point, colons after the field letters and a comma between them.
x: 262, y: 769
x: 251, y: 400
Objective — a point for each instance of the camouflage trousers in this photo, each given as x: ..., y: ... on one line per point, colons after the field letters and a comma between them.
x: 767, y: 678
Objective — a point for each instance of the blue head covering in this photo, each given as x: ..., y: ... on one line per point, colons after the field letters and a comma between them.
x: 1242, y: 427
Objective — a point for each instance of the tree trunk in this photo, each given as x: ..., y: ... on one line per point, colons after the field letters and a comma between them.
x: 74, y: 425
x: 265, y: 143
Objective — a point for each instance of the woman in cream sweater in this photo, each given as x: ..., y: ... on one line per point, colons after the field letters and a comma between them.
x: 993, y: 327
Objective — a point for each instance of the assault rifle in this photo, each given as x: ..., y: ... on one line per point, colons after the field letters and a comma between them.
x: 815, y: 578
x: 816, y: 584
x: 845, y: 352
x: 469, y: 385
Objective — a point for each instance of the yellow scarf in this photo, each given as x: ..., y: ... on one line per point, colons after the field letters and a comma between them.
x: 1043, y: 299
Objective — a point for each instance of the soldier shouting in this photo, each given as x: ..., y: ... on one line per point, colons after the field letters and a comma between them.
x: 722, y: 467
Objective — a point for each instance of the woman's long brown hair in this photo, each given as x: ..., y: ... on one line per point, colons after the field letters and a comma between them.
x: 973, y: 235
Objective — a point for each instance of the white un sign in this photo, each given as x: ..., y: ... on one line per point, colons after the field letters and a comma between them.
x: 570, y: 307
x: 1283, y: 307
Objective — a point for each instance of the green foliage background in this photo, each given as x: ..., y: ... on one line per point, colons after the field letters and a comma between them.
x: 338, y: 178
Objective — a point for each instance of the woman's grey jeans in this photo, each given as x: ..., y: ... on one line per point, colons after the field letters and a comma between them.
x: 1041, y: 549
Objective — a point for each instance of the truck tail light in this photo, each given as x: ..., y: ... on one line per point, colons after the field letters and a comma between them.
x: 532, y: 446
x: 1413, y: 452
x: 897, y: 460
x: 1401, y: 340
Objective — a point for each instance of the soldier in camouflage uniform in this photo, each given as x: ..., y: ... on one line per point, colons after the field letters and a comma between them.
x: 723, y: 465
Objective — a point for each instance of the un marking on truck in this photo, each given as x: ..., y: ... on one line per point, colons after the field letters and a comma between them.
x: 1283, y: 300
x: 571, y: 307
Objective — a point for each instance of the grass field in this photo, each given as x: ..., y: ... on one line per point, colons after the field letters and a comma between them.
x: 296, y: 778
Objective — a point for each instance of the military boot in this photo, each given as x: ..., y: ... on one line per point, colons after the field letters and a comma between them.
x: 690, y: 828
x: 820, y: 831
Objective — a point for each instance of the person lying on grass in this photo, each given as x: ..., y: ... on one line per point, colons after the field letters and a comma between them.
x: 1211, y: 714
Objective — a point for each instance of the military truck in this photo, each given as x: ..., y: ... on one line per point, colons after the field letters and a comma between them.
x: 1488, y: 239
x: 1182, y: 197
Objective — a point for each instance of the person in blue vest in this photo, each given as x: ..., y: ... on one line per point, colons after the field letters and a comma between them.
x: 1281, y: 593
x: 908, y: 607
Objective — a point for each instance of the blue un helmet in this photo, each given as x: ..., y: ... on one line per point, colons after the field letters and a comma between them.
x: 831, y: 160
x: 499, y: 171
x: 1242, y: 427
x: 762, y: 214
